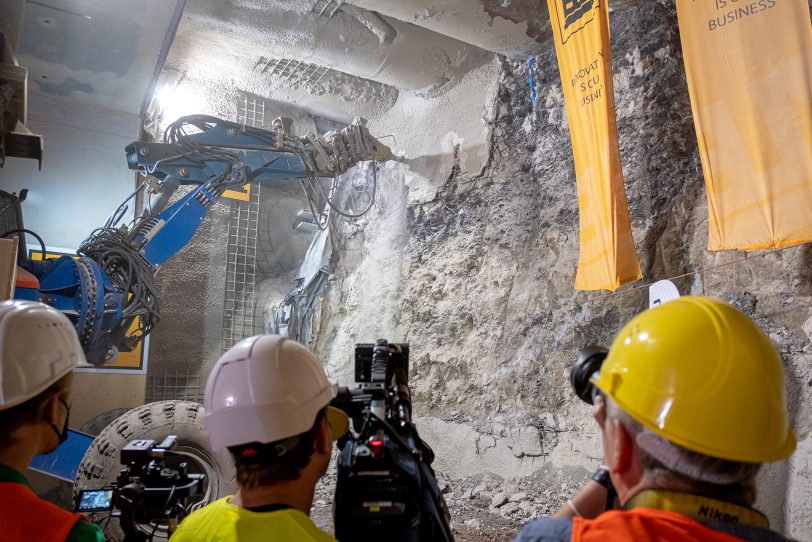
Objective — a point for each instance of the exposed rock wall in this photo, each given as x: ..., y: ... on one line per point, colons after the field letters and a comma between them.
x: 478, y: 276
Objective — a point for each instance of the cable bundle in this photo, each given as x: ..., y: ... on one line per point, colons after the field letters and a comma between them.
x: 129, y: 272
x: 312, y: 181
x: 236, y: 173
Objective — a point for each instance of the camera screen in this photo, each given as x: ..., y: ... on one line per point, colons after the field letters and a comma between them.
x: 95, y: 500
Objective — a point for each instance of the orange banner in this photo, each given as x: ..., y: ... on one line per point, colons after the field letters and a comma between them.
x: 581, y: 29
x: 749, y: 70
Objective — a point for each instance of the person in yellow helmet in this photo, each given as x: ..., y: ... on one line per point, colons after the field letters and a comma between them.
x: 267, y: 401
x: 690, y: 402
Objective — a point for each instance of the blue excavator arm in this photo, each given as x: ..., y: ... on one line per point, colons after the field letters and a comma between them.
x: 108, y: 289
x: 255, y: 156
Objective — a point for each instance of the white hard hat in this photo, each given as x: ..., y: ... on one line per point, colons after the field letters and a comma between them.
x: 38, y: 346
x: 265, y: 389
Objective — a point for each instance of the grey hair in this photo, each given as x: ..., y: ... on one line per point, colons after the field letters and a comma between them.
x: 668, y: 466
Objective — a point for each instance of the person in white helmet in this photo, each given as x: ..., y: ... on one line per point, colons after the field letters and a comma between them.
x: 39, y: 349
x: 267, y: 401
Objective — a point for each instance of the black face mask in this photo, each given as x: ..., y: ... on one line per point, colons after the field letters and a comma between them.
x: 63, y: 436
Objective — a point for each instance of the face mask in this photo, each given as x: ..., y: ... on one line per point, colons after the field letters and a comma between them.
x: 63, y: 436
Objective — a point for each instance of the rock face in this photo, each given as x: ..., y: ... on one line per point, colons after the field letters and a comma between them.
x: 478, y: 277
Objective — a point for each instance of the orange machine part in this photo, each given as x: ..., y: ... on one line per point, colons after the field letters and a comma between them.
x: 26, y: 279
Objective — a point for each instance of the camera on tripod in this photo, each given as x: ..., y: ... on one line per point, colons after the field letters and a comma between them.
x: 147, y: 492
x: 386, y: 488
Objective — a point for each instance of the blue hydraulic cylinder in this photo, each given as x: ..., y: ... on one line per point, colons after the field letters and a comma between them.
x: 175, y: 226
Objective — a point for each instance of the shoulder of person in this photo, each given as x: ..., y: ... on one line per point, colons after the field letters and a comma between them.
x: 213, y: 510
x: 546, y: 530
x: 309, y: 526
x: 85, y: 531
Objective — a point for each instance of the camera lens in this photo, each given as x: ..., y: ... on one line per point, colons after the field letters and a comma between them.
x: 588, y: 363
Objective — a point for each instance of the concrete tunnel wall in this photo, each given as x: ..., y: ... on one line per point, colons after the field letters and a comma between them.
x: 84, y: 173
x: 470, y: 256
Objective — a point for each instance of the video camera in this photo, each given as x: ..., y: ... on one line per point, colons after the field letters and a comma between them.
x: 147, y: 491
x: 386, y: 488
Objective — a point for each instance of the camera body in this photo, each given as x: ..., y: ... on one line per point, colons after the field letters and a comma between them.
x: 382, y: 377
x: 587, y: 364
x: 587, y: 368
x: 385, y: 485
x: 147, y: 491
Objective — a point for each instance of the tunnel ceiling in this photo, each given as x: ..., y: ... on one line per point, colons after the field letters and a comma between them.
x: 101, y: 52
x: 338, y: 61
x: 335, y: 58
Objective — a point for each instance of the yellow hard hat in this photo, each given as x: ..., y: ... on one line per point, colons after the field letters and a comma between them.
x: 701, y: 374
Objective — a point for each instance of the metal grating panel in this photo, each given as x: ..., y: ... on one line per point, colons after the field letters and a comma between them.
x: 295, y: 72
x: 241, y: 255
x: 251, y: 111
x: 173, y: 387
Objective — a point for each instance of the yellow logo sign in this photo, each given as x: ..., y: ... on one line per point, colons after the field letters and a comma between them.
x: 574, y: 15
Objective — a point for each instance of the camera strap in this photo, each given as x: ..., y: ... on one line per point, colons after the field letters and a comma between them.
x: 698, y: 507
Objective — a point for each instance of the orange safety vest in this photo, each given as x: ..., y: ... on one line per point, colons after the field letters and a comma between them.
x: 644, y: 524
x: 24, y: 517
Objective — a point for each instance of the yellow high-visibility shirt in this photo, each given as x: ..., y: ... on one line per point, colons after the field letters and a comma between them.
x: 222, y: 521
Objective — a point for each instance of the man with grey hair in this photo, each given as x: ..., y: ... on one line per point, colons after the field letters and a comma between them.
x: 690, y: 402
